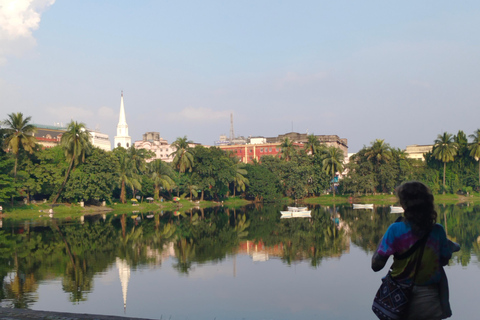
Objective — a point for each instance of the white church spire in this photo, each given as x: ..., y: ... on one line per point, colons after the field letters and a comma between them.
x: 122, y: 139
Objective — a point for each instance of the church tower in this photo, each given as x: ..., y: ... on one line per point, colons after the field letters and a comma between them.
x: 122, y: 139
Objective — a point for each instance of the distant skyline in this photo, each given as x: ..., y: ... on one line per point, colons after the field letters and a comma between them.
x: 363, y: 70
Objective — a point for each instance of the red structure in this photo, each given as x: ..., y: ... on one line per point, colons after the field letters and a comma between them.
x: 248, y: 152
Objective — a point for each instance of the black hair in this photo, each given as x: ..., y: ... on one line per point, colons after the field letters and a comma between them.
x: 417, y: 201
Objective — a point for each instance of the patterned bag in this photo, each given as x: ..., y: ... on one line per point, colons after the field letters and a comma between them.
x: 392, y: 298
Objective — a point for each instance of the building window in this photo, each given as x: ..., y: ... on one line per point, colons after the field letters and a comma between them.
x: 161, y: 149
x: 269, y: 149
x: 251, y: 151
x: 261, y: 149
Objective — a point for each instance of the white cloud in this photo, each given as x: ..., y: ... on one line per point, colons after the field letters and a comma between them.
x: 204, y: 115
x: 18, y: 19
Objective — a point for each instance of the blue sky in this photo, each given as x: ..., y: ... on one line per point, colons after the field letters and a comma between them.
x: 403, y: 71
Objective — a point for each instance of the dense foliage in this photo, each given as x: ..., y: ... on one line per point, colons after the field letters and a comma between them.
x: 75, y: 170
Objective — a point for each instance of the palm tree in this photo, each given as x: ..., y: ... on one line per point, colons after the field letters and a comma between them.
x: 240, y: 181
x: 76, y: 145
x: 312, y: 144
x: 445, y: 150
x: 288, y: 149
x: 161, y: 174
x: 183, y: 156
x: 333, y: 163
x: 474, y: 148
x: 183, y: 159
x: 19, y: 135
x: 379, y: 152
x: 128, y: 176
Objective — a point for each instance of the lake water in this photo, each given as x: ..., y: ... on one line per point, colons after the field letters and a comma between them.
x: 218, y: 264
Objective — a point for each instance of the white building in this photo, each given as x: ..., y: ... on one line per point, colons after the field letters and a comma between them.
x: 122, y: 139
x: 100, y: 140
x: 153, y: 142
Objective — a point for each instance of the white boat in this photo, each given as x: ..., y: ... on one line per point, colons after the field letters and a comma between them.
x: 292, y: 214
x: 362, y: 206
x: 297, y: 209
x: 394, y: 209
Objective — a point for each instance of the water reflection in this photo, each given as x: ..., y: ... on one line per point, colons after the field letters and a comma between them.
x: 75, y: 253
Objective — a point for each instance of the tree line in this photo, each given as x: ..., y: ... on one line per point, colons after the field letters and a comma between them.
x: 75, y: 170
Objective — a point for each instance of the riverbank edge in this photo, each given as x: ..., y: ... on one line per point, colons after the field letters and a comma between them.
x: 20, y: 314
x: 70, y: 210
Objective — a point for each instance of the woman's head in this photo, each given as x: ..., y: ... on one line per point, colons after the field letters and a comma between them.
x: 417, y: 201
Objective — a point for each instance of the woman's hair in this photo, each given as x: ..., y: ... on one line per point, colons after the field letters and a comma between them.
x: 417, y: 201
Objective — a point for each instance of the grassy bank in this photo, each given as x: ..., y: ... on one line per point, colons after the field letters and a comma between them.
x: 382, y: 199
x: 73, y: 211
x: 64, y: 211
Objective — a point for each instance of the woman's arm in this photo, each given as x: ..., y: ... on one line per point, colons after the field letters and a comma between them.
x: 378, y: 262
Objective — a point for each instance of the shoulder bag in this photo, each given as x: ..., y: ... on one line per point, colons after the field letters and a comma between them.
x: 392, y: 298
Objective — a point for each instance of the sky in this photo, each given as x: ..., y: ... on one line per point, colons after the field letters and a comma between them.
x: 402, y: 71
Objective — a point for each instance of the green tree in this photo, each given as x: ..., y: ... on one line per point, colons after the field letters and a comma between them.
x: 312, y: 144
x: 183, y: 157
x: 474, y: 148
x: 445, y: 150
x: 128, y: 176
x: 240, y: 180
x: 19, y: 135
x: 95, y: 179
x: 76, y: 145
x: 333, y: 163
x: 287, y: 149
x: 161, y: 174
x: 379, y: 152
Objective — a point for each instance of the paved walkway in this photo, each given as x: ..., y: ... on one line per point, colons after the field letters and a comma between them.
x: 20, y: 314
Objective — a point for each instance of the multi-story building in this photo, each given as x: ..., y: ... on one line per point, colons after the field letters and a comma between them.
x: 50, y: 136
x: 416, y: 151
x: 329, y: 140
x: 257, y: 147
x: 247, y: 153
x: 153, y: 142
x: 100, y: 140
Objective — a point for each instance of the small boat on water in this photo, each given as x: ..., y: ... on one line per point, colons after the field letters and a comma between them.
x: 362, y: 206
x: 293, y: 214
x: 297, y: 209
x: 296, y: 212
x: 394, y: 209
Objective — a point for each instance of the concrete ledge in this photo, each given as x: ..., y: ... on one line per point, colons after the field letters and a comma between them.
x: 14, y: 314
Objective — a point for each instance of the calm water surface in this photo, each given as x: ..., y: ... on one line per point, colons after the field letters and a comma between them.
x: 218, y: 264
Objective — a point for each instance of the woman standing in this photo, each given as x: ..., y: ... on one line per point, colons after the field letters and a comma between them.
x: 430, y: 292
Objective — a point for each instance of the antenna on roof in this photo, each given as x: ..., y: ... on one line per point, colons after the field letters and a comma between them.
x: 232, y: 133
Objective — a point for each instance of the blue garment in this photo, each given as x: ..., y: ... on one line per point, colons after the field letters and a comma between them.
x: 399, y: 238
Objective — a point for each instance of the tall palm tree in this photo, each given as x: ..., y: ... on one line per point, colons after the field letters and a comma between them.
x: 239, y: 180
x: 333, y: 163
x: 312, y: 144
x: 19, y: 135
x: 379, y: 152
x: 128, y: 176
x: 474, y: 148
x: 161, y: 174
x: 183, y: 157
x: 288, y: 149
x: 445, y: 150
x: 76, y: 145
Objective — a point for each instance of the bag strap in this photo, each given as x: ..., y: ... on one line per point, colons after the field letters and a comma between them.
x: 419, y: 259
x: 412, y: 249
